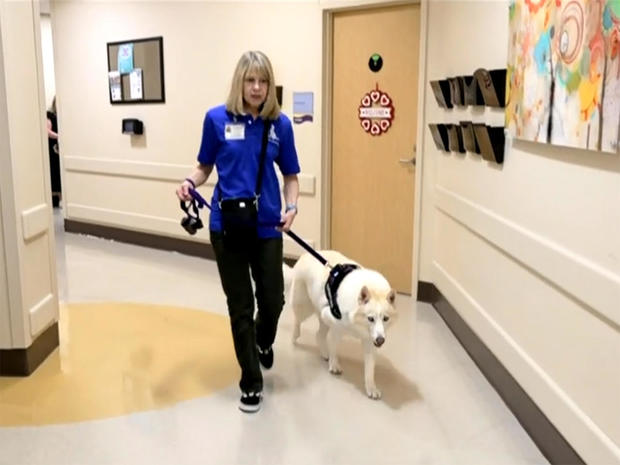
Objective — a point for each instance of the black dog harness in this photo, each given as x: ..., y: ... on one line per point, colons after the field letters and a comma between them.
x: 336, y: 275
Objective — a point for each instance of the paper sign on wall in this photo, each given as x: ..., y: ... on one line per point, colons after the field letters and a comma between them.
x: 116, y: 93
x: 135, y: 84
x: 303, y: 107
x: 125, y: 58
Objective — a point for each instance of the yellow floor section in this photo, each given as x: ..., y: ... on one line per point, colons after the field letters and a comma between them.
x: 119, y: 358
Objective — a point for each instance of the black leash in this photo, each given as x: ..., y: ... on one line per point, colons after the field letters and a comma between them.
x: 309, y: 249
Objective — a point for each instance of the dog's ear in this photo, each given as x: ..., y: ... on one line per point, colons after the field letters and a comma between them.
x: 364, y: 297
x: 391, y: 297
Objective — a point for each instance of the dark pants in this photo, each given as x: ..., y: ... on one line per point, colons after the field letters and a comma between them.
x: 263, y: 257
x: 54, y: 166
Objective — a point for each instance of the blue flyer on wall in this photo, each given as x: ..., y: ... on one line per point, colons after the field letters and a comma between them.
x: 303, y: 107
x: 125, y: 58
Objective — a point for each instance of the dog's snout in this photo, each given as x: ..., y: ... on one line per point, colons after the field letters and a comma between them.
x: 379, y: 341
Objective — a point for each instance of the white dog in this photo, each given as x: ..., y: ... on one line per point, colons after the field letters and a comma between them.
x: 364, y: 298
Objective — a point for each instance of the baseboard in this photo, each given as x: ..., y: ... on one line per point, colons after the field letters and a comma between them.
x: 23, y: 362
x: 544, y: 434
x: 427, y: 292
x: 192, y: 248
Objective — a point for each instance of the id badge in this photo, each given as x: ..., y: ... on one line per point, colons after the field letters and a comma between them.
x: 234, y: 131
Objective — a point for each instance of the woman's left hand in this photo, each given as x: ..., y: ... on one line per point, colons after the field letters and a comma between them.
x: 287, y: 219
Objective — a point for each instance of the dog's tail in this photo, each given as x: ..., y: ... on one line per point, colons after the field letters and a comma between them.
x: 287, y: 271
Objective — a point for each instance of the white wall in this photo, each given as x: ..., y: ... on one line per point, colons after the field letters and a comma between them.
x: 527, y: 252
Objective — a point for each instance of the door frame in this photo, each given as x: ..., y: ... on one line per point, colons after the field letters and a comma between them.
x: 326, y: 144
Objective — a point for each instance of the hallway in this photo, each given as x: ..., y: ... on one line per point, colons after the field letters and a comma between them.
x: 437, y: 408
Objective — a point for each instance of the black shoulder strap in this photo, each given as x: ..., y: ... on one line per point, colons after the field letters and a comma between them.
x: 261, y: 160
x: 336, y: 275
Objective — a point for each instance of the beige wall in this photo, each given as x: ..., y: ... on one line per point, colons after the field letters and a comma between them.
x: 110, y: 178
x: 29, y: 303
x: 5, y: 320
x: 47, y: 49
x: 527, y: 252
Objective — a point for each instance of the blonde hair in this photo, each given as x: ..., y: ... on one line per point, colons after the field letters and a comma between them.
x: 253, y: 61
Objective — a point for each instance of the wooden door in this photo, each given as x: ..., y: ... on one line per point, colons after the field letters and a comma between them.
x: 372, y: 191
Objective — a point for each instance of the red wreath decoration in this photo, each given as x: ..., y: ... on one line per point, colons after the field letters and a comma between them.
x: 376, y: 112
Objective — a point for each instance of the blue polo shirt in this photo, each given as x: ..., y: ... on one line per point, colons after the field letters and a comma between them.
x: 236, y: 154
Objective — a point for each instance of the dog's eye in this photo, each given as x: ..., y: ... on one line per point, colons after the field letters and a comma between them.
x: 371, y: 319
x: 386, y: 318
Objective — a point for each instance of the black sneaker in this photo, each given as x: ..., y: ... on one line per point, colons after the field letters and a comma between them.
x: 250, y: 401
x: 265, y: 357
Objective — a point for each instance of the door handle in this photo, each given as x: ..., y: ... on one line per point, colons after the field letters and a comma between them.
x: 407, y: 160
x: 410, y: 161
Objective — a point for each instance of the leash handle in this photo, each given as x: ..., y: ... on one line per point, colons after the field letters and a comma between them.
x: 199, y: 198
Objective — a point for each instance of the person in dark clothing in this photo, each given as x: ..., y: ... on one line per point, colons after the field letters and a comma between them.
x: 54, y: 153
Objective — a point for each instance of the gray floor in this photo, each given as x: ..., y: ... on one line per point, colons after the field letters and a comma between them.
x: 437, y: 408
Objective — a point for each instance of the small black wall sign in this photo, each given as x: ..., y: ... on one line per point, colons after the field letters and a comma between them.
x: 375, y: 63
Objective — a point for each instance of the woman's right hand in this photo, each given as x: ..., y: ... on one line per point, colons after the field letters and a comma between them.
x: 183, y: 191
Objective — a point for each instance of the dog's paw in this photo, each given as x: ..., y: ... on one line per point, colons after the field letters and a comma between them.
x: 335, y: 369
x: 373, y: 392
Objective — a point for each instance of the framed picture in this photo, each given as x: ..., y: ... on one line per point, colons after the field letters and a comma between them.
x: 136, y: 71
x: 564, y: 73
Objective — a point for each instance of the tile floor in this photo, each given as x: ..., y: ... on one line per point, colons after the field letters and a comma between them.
x: 437, y: 407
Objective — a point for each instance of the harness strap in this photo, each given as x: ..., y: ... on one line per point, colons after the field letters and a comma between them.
x: 336, y: 275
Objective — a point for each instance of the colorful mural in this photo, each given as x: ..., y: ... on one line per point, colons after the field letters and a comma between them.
x: 563, y: 79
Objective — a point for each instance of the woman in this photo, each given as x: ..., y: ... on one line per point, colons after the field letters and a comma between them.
x: 54, y: 154
x: 232, y: 139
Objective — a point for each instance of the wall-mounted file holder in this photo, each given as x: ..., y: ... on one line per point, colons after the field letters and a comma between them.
x: 456, y: 92
x: 471, y: 90
x: 455, y: 137
x: 483, y: 88
x: 469, y: 138
x: 441, y: 90
x: 491, y: 142
x: 493, y: 86
x: 440, y: 136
